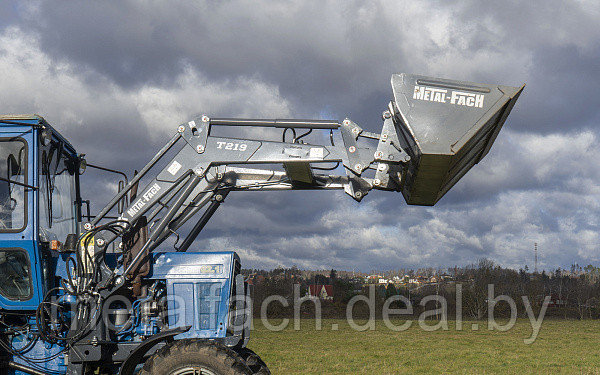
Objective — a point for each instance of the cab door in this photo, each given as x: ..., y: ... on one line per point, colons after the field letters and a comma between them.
x: 20, y: 284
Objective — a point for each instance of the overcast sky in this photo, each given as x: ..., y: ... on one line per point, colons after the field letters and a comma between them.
x: 117, y: 77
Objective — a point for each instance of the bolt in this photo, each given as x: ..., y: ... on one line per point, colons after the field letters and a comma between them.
x: 358, y: 167
x: 346, y: 122
x: 384, y: 137
x: 358, y: 194
x: 119, y: 280
x: 387, y: 114
x: 352, y: 149
x: 219, y: 176
x: 200, y: 149
x: 218, y: 197
x: 376, y: 182
x: 205, y: 119
x: 391, y: 157
x: 381, y: 167
x: 181, y: 128
x: 355, y: 130
x: 87, y: 226
x: 407, y: 158
x: 199, y: 171
x: 100, y: 242
x: 378, y: 155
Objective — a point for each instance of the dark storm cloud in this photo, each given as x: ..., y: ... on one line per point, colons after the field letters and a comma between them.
x: 317, y: 56
x: 562, y: 42
x: 117, y: 77
x: 340, y: 54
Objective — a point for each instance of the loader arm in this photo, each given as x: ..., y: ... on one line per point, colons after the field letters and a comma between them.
x: 217, y: 160
x: 206, y: 168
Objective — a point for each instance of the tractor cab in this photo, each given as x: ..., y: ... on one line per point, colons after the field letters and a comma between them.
x: 39, y: 205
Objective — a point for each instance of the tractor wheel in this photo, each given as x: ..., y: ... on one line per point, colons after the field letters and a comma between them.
x: 257, y: 365
x: 195, y: 357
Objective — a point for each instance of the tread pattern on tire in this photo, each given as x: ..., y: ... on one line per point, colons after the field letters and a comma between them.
x: 230, y: 362
x: 254, y: 362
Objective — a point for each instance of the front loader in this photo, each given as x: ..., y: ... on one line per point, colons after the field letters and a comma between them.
x: 113, y: 293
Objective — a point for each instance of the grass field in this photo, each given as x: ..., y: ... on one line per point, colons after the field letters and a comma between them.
x: 569, y: 347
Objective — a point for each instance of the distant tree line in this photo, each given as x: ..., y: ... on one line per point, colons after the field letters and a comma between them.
x: 573, y: 294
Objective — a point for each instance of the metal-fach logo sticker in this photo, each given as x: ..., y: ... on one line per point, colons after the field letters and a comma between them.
x: 440, y: 95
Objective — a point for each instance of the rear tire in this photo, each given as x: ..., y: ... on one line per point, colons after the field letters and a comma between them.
x: 195, y: 357
x: 254, y: 362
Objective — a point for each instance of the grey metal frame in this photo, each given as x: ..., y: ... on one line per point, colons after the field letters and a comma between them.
x: 206, y: 168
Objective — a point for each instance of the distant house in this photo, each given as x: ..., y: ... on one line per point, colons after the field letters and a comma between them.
x: 321, y: 291
x: 255, y: 279
x: 556, y: 301
x: 373, y: 279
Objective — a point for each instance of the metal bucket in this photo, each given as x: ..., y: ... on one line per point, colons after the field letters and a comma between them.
x: 447, y: 127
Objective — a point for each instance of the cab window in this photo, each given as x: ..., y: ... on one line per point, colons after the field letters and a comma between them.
x: 57, y: 194
x: 15, y: 274
x: 13, y: 198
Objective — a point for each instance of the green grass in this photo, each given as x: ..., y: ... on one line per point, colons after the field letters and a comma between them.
x: 562, y: 347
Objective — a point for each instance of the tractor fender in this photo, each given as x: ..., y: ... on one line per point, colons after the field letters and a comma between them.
x: 138, y: 353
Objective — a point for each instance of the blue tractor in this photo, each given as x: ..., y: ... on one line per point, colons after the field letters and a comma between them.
x: 114, y: 293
